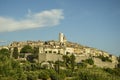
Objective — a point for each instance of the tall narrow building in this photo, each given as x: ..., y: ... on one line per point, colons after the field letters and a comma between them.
x: 61, y: 37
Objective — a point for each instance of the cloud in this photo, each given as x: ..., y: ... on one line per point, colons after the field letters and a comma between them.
x: 46, y: 18
x: 2, y: 41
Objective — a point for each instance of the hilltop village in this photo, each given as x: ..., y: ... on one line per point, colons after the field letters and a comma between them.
x: 54, y: 50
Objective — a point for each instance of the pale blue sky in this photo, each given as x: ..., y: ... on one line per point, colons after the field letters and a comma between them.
x: 95, y: 23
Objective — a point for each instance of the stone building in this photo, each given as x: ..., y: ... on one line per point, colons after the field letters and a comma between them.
x: 54, y: 50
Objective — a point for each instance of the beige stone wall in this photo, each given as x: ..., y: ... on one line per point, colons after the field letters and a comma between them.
x: 97, y: 62
x: 80, y: 58
x: 53, y: 57
x: 102, y: 64
x: 49, y: 57
x: 41, y: 57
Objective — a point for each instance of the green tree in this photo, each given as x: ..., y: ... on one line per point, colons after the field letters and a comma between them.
x: 15, y: 52
x: 66, y: 60
x: 72, y: 62
x: 57, y: 66
x: 5, y: 52
x: 35, y: 52
x: 69, y: 61
x: 5, y: 62
x: 26, y: 49
x: 89, y: 61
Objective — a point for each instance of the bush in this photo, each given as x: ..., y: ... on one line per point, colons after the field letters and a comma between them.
x: 23, y: 77
x: 96, y: 74
x: 82, y: 65
x: 62, y: 75
x: 89, y: 61
x: 104, y: 59
x: 55, y: 76
x: 31, y: 75
x: 109, y: 70
x: 44, y: 75
x: 52, y: 74
x: 5, y: 52
x: 68, y: 72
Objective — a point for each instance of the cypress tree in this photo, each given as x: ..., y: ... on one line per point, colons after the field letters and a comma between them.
x: 15, y: 52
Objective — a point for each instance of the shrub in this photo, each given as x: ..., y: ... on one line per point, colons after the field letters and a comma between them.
x: 32, y: 75
x: 82, y: 65
x: 68, y: 72
x: 89, y: 61
x: 104, y: 59
x: 109, y: 70
x: 52, y: 74
x: 55, y: 76
x: 44, y: 75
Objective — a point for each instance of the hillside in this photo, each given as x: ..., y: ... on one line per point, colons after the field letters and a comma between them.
x: 56, y: 60
x: 52, y: 50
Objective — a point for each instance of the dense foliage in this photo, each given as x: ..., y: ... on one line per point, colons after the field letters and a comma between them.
x: 12, y: 69
x: 26, y: 49
x: 69, y: 61
x: 15, y: 53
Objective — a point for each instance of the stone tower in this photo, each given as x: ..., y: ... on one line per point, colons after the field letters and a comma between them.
x: 61, y: 37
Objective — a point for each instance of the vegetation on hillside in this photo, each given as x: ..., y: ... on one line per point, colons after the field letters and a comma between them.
x: 15, y: 53
x: 104, y: 59
x: 13, y: 69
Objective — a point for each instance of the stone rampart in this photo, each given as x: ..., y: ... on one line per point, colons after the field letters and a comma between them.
x: 50, y: 57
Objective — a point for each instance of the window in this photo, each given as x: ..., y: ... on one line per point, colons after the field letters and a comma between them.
x: 50, y: 51
x: 58, y: 52
x: 54, y: 52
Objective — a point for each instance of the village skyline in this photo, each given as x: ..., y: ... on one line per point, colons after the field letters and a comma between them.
x: 90, y: 23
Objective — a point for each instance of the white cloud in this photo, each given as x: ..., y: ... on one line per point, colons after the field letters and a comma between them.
x: 46, y: 18
x: 2, y: 41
